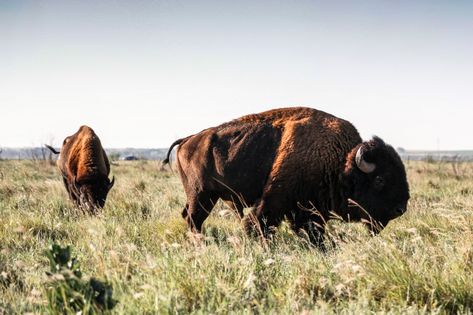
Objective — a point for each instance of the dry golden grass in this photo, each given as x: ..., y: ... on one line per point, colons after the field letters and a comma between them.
x: 421, y: 263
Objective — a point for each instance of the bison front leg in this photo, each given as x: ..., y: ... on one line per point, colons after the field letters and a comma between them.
x: 309, y: 224
x: 197, y: 210
x: 184, y: 211
x: 70, y: 192
x: 315, y: 232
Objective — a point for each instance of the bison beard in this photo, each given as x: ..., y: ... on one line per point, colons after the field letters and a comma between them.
x: 295, y: 163
x: 85, y: 168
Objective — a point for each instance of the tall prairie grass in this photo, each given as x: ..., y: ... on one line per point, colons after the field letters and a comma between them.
x: 422, y: 263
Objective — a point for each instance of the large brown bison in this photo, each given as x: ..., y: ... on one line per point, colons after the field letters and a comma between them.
x: 85, y: 168
x: 296, y: 163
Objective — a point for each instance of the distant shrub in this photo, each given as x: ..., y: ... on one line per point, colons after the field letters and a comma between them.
x: 429, y: 159
x: 114, y: 156
x: 68, y: 292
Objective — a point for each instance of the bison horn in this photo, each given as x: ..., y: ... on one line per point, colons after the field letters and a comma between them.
x: 111, y: 183
x: 364, y: 166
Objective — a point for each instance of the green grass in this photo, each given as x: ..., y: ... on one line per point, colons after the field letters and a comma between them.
x: 421, y: 263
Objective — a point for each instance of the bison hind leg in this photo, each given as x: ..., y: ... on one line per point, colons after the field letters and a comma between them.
x: 198, y: 209
x: 263, y: 220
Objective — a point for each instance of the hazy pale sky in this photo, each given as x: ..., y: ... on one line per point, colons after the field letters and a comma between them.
x: 144, y: 73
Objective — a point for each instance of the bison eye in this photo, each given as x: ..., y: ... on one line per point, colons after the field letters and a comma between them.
x: 379, y: 183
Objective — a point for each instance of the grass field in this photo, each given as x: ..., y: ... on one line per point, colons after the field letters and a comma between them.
x: 421, y: 263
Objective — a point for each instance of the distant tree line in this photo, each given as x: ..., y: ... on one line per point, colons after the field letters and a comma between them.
x: 42, y: 153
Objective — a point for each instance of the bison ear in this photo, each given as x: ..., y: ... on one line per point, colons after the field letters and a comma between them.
x: 377, y: 142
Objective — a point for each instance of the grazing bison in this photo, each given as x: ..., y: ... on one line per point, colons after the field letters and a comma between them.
x: 296, y: 163
x: 85, y: 167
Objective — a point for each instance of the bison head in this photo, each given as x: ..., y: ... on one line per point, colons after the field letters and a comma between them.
x: 376, y: 183
x: 91, y: 193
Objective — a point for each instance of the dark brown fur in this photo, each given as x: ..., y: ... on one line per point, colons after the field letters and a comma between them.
x: 294, y: 163
x: 85, y: 168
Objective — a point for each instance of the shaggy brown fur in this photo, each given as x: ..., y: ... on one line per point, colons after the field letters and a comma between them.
x: 85, y: 168
x: 295, y: 163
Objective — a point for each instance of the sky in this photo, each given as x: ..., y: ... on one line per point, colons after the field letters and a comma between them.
x: 145, y: 73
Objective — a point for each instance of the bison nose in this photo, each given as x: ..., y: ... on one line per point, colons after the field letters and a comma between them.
x: 400, y: 210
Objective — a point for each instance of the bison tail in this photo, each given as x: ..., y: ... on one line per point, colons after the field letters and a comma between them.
x: 52, y: 149
x: 177, y: 142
